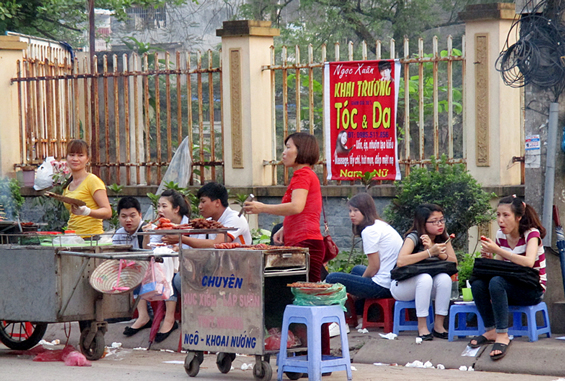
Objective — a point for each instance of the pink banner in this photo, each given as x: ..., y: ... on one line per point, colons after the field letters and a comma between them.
x: 360, y: 100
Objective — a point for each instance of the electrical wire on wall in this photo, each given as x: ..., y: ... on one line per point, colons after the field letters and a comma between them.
x: 538, y: 56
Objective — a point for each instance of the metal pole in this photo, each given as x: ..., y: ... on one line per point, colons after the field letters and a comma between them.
x: 91, y: 51
x: 550, y: 173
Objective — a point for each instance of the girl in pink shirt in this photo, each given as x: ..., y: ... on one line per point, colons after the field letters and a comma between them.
x: 517, y: 241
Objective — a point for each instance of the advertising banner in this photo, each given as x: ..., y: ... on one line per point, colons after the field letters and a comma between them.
x: 360, y: 100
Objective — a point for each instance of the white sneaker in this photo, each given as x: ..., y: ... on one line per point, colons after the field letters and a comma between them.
x: 335, y: 331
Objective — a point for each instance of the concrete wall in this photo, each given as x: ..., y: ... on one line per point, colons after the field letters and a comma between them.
x: 10, y: 52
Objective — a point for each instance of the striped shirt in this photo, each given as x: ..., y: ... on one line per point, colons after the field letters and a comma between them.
x: 520, y: 249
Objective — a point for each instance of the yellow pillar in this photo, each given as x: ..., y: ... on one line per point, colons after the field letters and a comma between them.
x: 10, y: 131
x: 247, y: 101
x: 493, y: 114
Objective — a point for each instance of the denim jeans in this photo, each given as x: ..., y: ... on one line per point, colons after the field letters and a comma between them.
x: 357, y: 285
x: 493, y: 297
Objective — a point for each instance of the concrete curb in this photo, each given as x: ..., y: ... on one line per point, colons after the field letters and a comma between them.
x: 543, y: 357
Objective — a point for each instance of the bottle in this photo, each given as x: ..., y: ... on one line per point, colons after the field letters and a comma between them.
x: 455, y: 286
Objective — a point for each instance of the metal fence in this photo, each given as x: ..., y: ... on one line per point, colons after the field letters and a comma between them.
x: 430, y: 118
x: 134, y: 110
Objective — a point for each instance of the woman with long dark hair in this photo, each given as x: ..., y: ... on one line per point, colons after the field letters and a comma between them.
x: 426, y: 239
x: 381, y: 244
x: 518, y: 241
x: 173, y: 206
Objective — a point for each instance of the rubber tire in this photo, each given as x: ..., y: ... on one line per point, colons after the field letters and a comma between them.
x: 266, y: 374
x: 96, y: 349
x: 193, y: 367
x: 293, y: 375
x: 22, y: 345
x: 224, y: 361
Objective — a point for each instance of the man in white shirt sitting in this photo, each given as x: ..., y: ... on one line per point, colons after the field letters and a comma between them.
x: 214, y: 205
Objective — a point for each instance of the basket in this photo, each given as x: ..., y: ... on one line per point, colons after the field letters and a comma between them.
x: 105, y: 277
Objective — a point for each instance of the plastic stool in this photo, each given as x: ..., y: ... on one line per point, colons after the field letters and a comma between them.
x: 401, y: 323
x: 462, y: 330
x: 532, y: 330
x: 387, y: 307
x: 350, y: 314
x: 314, y: 363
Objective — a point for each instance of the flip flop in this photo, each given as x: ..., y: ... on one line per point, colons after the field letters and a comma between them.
x: 481, y: 340
x: 499, y: 347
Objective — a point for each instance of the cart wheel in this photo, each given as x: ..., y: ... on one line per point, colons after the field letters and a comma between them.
x: 265, y: 373
x: 192, y: 364
x: 21, y: 335
x: 224, y: 360
x: 293, y: 375
x: 95, y: 350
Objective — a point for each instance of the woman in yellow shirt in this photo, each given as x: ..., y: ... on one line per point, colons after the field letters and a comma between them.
x: 85, y: 220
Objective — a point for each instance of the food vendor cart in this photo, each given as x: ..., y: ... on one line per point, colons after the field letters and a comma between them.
x: 231, y: 297
x: 43, y: 284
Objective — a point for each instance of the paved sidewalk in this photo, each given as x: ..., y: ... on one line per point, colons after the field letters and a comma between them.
x: 544, y: 357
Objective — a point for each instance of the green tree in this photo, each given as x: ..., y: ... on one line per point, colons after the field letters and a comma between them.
x: 452, y: 187
x: 62, y: 19
x: 11, y: 200
x: 317, y: 21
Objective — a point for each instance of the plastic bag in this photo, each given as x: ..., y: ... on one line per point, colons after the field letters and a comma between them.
x: 155, y: 286
x: 307, y: 296
x: 68, y: 239
x: 44, y: 175
x: 178, y: 171
x: 75, y: 358
x: 273, y: 341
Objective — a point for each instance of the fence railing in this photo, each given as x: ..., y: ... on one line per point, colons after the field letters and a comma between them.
x: 430, y: 118
x: 134, y: 110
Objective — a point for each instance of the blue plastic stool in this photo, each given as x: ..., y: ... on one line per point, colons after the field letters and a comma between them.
x: 400, y: 322
x: 532, y: 330
x: 462, y: 330
x: 314, y: 363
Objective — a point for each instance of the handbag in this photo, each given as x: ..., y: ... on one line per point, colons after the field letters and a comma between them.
x: 486, y: 268
x: 155, y: 286
x: 432, y: 266
x: 330, y: 248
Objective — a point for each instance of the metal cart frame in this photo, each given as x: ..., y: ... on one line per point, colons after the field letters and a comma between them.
x: 43, y: 284
x: 226, y: 296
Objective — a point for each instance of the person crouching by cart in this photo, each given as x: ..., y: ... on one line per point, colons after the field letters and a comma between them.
x: 173, y: 206
x: 86, y: 220
x: 214, y: 205
x: 129, y: 215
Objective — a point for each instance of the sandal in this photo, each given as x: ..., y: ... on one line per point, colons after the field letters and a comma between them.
x: 499, y: 347
x: 480, y: 340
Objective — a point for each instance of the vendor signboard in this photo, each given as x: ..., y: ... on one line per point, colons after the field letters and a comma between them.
x: 360, y: 100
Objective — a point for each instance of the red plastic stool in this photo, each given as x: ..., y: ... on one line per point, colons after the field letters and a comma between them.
x: 350, y: 314
x: 387, y: 307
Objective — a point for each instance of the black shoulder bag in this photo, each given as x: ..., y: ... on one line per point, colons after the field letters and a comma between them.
x: 486, y: 268
x: 432, y: 266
